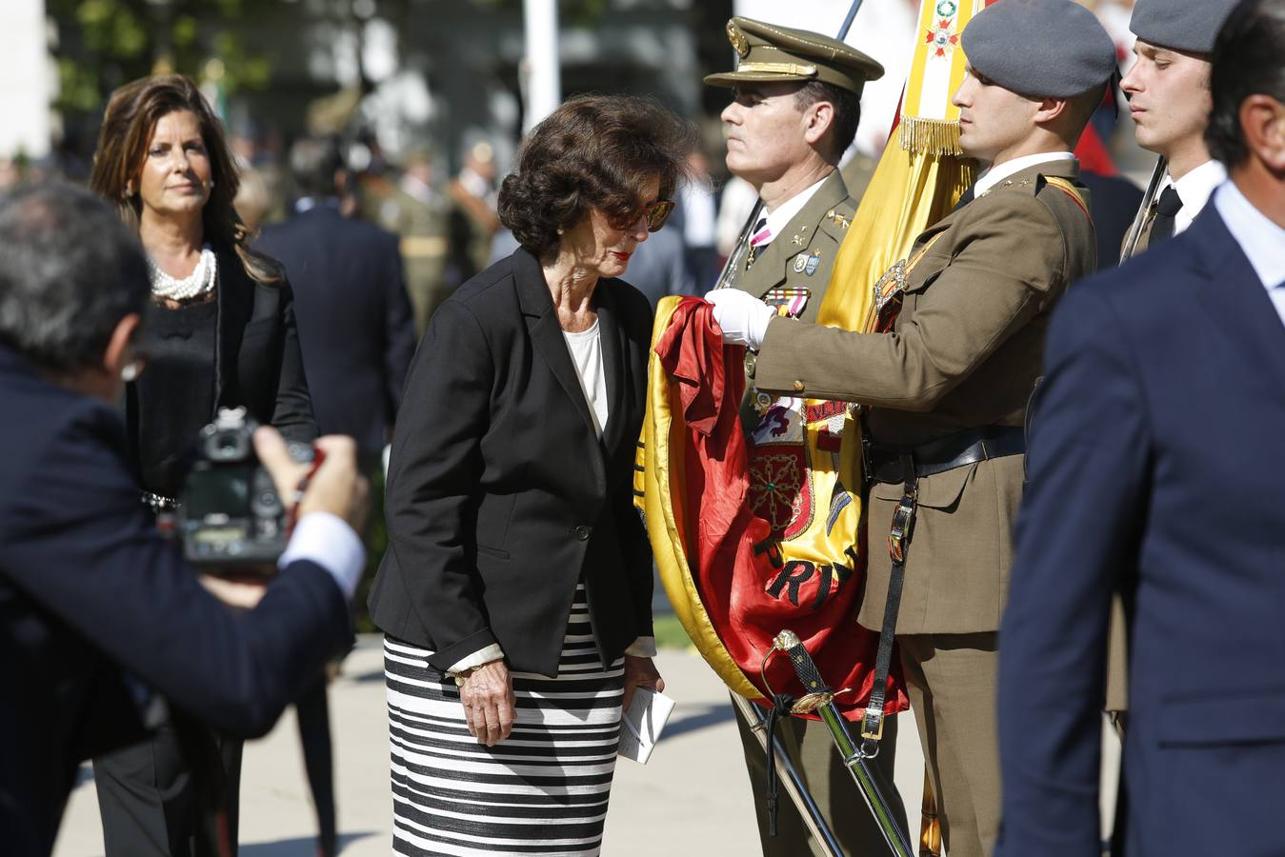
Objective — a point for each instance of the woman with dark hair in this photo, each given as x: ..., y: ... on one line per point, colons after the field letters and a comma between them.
x: 220, y: 333
x: 516, y: 591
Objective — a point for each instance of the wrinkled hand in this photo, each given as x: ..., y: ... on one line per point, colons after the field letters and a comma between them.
x: 337, y: 487
x: 639, y: 672
x: 489, y: 703
x: 742, y: 317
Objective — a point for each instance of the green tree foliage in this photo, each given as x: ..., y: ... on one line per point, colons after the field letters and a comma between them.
x: 104, y: 43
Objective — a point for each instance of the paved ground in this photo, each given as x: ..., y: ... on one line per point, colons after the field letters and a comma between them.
x: 691, y: 799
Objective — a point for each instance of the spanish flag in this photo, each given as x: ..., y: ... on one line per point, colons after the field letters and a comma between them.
x: 754, y: 535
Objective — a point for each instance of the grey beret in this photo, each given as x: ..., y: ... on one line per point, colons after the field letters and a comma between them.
x: 1049, y: 48
x: 1185, y: 25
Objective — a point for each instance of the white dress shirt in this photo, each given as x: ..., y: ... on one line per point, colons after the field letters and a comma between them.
x: 328, y: 541
x: 1194, y: 189
x: 999, y: 172
x: 778, y: 218
x: 1262, y: 241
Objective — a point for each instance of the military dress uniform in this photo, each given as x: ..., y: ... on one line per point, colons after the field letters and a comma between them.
x: 944, y: 393
x: 792, y: 272
x: 797, y: 263
x: 1189, y: 26
x: 795, y: 269
x: 955, y: 373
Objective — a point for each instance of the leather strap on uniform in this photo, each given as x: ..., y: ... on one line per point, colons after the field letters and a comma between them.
x: 782, y: 703
x: 903, y: 523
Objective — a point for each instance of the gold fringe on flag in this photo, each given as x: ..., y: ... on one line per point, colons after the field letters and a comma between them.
x: 930, y: 136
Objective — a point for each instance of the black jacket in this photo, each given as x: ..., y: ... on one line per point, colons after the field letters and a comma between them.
x: 355, y: 321
x: 88, y: 590
x: 258, y: 365
x: 500, y: 495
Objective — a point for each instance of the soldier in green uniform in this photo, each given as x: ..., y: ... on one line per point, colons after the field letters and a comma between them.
x: 1169, y: 100
x: 417, y: 212
x: 944, y: 391
x: 795, y: 107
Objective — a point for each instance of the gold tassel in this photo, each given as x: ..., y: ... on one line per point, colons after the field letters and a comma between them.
x: 931, y: 136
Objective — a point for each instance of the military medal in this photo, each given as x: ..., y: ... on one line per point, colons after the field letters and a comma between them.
x: 788, y: 301
x: 812, y: 263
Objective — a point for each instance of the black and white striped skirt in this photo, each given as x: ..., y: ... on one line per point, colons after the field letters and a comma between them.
x: 543, y: 790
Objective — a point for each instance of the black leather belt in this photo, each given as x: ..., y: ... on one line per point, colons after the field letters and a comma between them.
x: 895, y: 465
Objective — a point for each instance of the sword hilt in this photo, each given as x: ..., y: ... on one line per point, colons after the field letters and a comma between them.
x: 804, y: 667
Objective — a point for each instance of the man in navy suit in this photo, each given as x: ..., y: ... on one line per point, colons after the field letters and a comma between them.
x: 356, y: 327
x: 99, y: 616
x: 1156, y: 462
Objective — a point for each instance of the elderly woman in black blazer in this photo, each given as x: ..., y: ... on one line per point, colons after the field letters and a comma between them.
x: 220, y: 332
x: 516, y: 593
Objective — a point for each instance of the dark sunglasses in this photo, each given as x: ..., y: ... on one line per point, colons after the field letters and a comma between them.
x: 657, y: 213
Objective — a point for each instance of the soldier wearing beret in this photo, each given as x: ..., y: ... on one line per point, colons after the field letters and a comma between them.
x: 944, y: 389
x: 1169, y: 100
x: 795, y: 107
x: 1168, y: 92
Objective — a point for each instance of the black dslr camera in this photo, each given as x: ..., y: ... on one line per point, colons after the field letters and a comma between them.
x: 230, y: 514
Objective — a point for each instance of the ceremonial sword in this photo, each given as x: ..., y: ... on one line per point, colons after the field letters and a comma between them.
x: 854, y: 759
x: 1139, y: 220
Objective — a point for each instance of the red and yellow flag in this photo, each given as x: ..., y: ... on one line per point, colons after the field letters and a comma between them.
x: 757, y: 534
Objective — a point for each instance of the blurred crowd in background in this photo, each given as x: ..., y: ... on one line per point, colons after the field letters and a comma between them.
x: 422, y: 99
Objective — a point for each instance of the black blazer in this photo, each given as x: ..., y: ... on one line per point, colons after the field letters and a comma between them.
x: 500, y: 495
x: 258, y: 364
x: 88, y: 590
x: 355, y: 321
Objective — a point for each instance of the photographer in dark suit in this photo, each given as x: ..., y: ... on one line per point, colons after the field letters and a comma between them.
x: 97, y: 612
x: 355, y: 320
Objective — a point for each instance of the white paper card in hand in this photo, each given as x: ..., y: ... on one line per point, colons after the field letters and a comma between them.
x: 642, y: 724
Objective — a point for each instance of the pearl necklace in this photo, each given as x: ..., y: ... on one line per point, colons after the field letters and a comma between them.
x: 199, y: 282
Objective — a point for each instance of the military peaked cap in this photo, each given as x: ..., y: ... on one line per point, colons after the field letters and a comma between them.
x: 1185, y: 25
x: 1047, y: 48
x: 771, y: 54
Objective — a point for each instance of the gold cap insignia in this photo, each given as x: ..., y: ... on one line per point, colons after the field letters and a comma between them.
x: 738, y: 40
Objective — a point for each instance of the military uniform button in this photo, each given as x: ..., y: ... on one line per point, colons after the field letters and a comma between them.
x: 799, y: 386
x: 582, y: 532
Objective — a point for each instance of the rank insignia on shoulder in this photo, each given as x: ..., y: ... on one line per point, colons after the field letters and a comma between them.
x: 814, y: 261
x: 788, y: 300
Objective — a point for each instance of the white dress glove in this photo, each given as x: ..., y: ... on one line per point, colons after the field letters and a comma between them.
x: 743, y: 317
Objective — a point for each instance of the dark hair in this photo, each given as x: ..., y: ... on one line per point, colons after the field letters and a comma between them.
x: 131, y: 116
x: 1246, y: 61
x: 313, y: 164
x: 594, y: 150
x: 847, y: 112
x: 69, y: 272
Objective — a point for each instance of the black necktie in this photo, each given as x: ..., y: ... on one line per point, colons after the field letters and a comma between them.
x: 1167, y: 206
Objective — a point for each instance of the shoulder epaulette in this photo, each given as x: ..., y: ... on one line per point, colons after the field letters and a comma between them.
x: 1068, y: 187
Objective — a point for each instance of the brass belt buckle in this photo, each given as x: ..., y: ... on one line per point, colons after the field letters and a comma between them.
x: 872, y: 726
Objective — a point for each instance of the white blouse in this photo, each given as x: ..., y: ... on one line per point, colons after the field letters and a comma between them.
x: 586, y: 355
